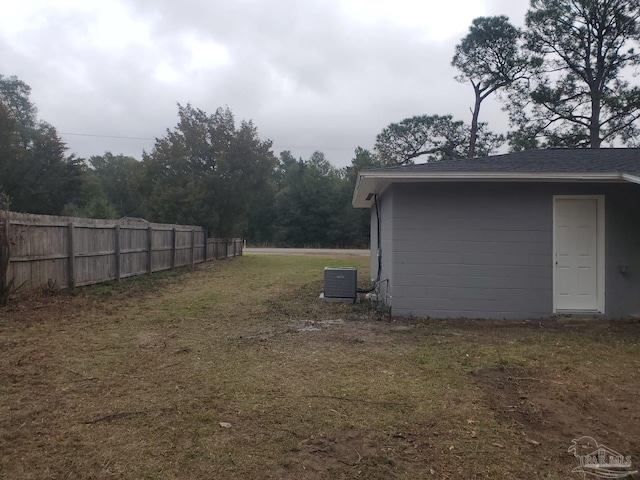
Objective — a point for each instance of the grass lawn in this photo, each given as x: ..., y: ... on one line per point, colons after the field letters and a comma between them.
x: 237, y: 371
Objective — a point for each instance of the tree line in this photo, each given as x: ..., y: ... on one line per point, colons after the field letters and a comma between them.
x: 208, y: 170
x: 562, y: 79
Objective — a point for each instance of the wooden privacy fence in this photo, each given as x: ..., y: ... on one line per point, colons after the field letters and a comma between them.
x: 68, y: 251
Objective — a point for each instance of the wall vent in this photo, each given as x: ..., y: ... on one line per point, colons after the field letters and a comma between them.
x: 341, y: 282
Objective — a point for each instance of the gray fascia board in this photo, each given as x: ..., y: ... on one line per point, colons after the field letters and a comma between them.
x: 631, y: 178
x: 377, y: 181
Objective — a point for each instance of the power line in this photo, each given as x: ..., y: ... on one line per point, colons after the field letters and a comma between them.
x: 105, y: 136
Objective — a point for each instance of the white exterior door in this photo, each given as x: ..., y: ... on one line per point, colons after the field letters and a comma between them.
x: 579, y: 254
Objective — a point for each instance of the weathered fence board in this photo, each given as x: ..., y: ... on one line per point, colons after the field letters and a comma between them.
x: 67, y: 251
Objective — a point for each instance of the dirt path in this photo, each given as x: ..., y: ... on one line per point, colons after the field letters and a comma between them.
x: 307, y: 251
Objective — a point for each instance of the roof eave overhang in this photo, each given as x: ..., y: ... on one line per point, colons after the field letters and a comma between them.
x: 631, y: 178
x: 373, y: 182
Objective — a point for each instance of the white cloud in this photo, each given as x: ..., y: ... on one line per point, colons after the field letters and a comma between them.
x: 319, y: 74
x: 434, y: 20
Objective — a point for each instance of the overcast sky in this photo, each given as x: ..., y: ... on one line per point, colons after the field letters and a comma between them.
x: 324, y: 75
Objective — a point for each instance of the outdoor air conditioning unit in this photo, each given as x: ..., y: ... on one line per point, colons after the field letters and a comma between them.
x: 340, y: 283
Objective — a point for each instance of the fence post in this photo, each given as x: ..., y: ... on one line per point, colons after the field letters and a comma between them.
x: 149, y: 249
x: 6, y: 285
x: 117, y: 247
x: 174, y: 240
x: 193, y: 248
x: 204, y: 253
x: 72, y: 257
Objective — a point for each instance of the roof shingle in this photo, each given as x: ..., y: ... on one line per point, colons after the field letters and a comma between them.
x: 560, y: 160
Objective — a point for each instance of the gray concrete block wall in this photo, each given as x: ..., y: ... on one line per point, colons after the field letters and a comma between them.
x: 485, y: 250
x: 373, y: 239
x: 471, y: 250
x: 622, y: 224
x: 386, y: 204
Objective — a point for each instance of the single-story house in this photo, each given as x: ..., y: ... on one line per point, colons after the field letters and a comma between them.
x: 523, y: 235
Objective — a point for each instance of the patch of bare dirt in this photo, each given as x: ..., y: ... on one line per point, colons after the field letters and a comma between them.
x: 336, y: 454
x: 543, y: 411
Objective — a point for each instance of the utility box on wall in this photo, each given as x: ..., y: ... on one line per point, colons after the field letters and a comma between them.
x: 340, y: 283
